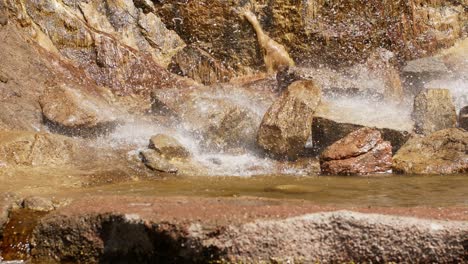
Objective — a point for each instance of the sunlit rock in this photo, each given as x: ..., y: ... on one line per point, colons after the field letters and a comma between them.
x: 463, y: 118
x: 199, y: 65
x: 434, y: 110
x: 287, y: 124
x: 41, y: 149
x: 442, y: 152
x: 337, y: 117
x: 156, y: 162
x: 168, y: 147
x: 72, y: 112
x: 361, y: 152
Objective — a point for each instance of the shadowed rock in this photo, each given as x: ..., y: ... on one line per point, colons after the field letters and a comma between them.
x: 286, y: 126
x: 433, y: 111
x: 361, y: 152
x: 463, y: 118
x: 325, y: 132
x: 442, y: 152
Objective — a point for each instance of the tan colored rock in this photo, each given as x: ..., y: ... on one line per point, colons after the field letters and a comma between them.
x: 433, y: 111
x: 287, y: 124
x: 199, y: 65
x: 41, y: 149
x: 463, y: 118
x: 165, y: 43
x: 3, y: 14
x: 156, y: 162
x: 72, y: 112
x: 361, y: 152
x: 168, y: 147
x: 442, y: 152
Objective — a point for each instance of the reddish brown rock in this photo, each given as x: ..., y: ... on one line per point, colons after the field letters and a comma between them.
x: 287, y: 124
x: 361, y: 152
x: 242, y: 230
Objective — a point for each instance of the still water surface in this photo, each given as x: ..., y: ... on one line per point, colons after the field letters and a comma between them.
x: 434, y: 191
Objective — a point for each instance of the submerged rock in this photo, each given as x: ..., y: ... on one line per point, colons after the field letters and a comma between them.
x: 287, y: 124
x: 442, y: 152
x: 156, y: 162
x: 168, y: 147
x: 433, y: 111
x: 463, y: 118
x: 361, y: 152
x: 72, y: 112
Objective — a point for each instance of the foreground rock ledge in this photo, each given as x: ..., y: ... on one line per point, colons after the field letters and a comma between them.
x: 247, y: 230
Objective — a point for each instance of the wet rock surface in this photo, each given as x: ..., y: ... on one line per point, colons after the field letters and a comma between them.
x: 71, y: 112
x: 442, y: 152
x: 325, y: 132
x: 434, y: 110
x: 200, y: 66
x: 155, y: 161
x: 165, y: 230
x: 286, y: 126
x: 168, y: 147
x: 421, y: 71
x: 361, y: 152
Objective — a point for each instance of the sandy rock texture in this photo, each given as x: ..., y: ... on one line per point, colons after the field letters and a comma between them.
x: 442, y: 152
x: 286, y: 125
x: 162, y: 230
x: 361, y: 152
x: 433, y: 111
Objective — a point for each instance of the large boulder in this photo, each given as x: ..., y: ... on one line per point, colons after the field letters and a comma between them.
x: 434, y: 110
x: 286, y: 126
x: 72, y: 112
x: 463, y: 118
x: 168, y: 147
x: 443, y: 152
x: 361, y: 152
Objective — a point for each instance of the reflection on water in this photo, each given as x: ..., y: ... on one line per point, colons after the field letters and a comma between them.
x: 431, y: 191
